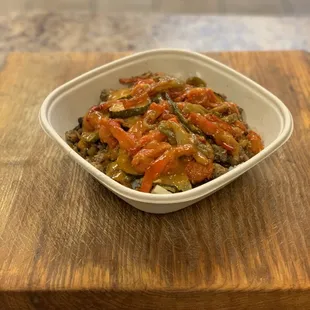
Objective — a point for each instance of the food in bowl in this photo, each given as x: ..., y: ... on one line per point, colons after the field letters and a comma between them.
x: 161, y: 134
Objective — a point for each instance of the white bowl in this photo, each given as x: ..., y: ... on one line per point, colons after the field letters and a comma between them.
x: 263, y: 111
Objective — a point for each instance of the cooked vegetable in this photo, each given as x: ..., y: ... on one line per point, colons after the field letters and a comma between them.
x: 203, y: 96
x: 131, y: 121
x: 123, y: 93
x: 164, y: 128
x: 113, y: 128
x: 158, y: 98
x: 177, y: 181
x: 181, y: 135
x: 198, y: 172
x: 144, y: 158
x: 196, y: 81
x: 115, y: 173
x: 220, y: 97
x: 165, y: 84
x: 158, y: 166
x: 256, y: 144
x: 162, y: 135
x: 129, y: 112
x: 104, y: 95
x: 195, y: 108
x: 222, y: 137
x: 231, y: 118
x: 181, y: 117
x: 82, y: 145
x: 90, y: 136
x: 124, y: 163
x: 92, y: 150
x: 160, y: 190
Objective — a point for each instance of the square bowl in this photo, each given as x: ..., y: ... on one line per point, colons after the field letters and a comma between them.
x: 263, y: 112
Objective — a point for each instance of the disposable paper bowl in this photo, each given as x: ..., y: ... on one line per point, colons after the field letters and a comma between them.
x: 263, y: 111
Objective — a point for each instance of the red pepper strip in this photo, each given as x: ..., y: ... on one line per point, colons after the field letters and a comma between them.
x: 146, y: 81
x: 129, y: 103
x: 227, y: 141
x: 202, y: 96
x: 168, y: 116
x: 139, y: 93
x: 153, y: 171
x: 256, y: 142
x: 205, y: 125
x: 197, y: 172
x: 153, y: 135
x: 126, y: 141
x: 158, y: 166
x: 239, y: 129
x: 233, y: 107
x: 153, y: 112
x: 223, y: 125
x: 103, y: 107
x: 222, y: 138
x: 166, y: 106
x: 157, y: 107
x: 178, y: 94
x: 227, y: 147
x: 106, y: 137
x: 137, y: 129
x: 142, y: 160
x: 140, y: 88
x: 201, y: 139
x: 174, y: 119
x: 91, y: 121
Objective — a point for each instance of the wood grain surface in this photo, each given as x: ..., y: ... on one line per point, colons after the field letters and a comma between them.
x: 66, y: 242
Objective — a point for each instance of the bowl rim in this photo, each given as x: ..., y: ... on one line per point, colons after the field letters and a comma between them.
x: 195, y: 193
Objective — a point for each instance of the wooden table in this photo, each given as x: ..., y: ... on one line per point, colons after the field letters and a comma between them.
x: 68, y: 243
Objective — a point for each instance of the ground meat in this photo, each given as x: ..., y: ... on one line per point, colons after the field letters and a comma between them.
x: 248, y: 153
x: 233, y: 161
x: 220, y: 154
x: 101, y: 156
x: 243, y: 156
x: 99, y: 166
x: 72, y: 136
x: 218, y: 170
